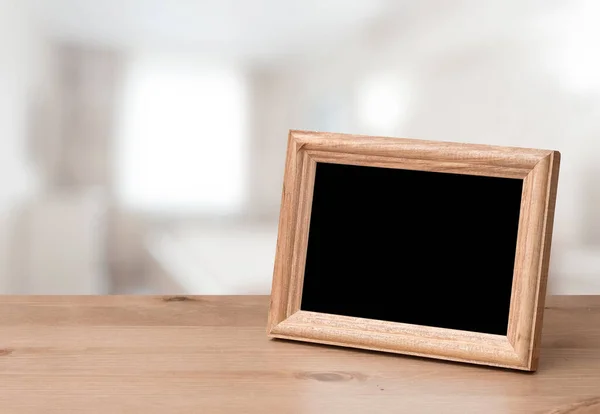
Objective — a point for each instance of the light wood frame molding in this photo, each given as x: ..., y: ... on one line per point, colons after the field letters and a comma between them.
x: 519, y: 349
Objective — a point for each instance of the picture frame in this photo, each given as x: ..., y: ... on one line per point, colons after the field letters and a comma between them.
x: 519, y: 349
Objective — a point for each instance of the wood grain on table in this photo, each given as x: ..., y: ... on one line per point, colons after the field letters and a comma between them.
x: 210, y: 354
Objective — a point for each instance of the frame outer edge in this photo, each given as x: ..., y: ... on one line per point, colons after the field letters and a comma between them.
x: 421, y: 149
x: 546, y: 162
x: 552, y: 190
x: 285, y: 238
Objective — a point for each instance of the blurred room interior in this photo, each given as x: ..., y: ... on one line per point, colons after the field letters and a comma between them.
x: 142, y: 142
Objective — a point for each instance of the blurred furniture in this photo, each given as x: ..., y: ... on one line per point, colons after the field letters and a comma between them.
x: 59, y: 245
x: 126, y: 255
x: 212, y: 259
x: 190, y: 354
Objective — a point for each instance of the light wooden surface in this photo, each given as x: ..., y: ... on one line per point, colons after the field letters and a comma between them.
x: 519, y: 348
x: 211, y: 355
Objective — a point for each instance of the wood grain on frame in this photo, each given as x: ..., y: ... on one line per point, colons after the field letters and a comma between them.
x: 532, y: 259
x: 519, y: 349
x: 456, y: 167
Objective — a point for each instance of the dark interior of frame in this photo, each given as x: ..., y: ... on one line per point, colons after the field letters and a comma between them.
x: 424, y: 248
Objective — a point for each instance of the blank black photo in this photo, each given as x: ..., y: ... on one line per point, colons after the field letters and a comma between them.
x: 424, y: 248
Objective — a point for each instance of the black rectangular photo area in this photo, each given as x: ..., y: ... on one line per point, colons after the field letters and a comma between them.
x: 416, y: 247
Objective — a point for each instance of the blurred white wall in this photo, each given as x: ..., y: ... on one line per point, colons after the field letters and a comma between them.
x: 520, y: 73
x: 468, y: 71
x: 21, y: 69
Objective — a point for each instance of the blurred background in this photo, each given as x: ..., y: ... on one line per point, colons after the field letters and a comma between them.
x: 142, y: 142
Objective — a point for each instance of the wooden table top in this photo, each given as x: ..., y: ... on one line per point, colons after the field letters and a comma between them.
x: 210, y: 354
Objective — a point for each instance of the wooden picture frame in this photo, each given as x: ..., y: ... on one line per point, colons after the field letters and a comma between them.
x: 519, y: 349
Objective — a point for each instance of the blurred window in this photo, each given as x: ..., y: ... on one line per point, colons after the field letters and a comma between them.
x: 182, y: 144
x: 382, y: 103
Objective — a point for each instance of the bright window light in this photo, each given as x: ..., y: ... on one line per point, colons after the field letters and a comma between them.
x: 571, y: 51
x: 382, y: 103
x: 183, y: 138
